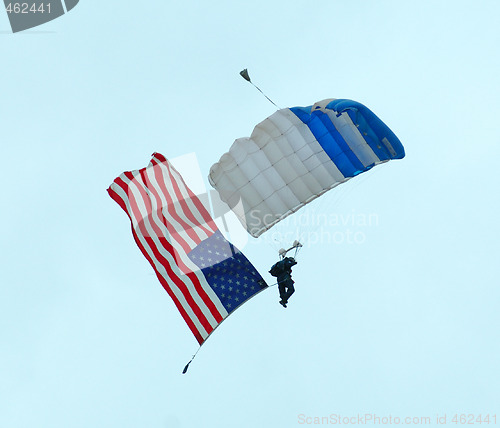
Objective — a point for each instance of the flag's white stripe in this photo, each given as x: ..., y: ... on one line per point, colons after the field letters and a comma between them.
x: 167, y: 206
x: 157, y: 264
x: 119, y: 190
x: 180, y: 252
x: 193, y: 226
x: 187, y: 198
x: 193, y: 209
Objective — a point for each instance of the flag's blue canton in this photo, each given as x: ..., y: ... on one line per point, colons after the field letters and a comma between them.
x: 232, y: 277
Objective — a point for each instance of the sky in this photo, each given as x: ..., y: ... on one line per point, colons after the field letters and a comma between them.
x: 395, y: 313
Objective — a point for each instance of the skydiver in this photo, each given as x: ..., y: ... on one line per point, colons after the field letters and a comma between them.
x: 283, y: 271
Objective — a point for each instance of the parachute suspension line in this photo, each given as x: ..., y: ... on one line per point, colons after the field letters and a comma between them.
x: 246, y: 76
x: 297, y: 248
x: 296, y: 245
x: 206, y: 338
x: 272, y: 242
x: 269, y: 99
x: 296, y: 251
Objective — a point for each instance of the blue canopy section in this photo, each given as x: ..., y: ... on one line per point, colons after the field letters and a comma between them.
x: 377, y: 135
x: 330, y: 140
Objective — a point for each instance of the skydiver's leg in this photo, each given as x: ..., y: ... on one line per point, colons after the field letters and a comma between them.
x: 282, y: 290
x: 283, y: 293
x: 289, y: 290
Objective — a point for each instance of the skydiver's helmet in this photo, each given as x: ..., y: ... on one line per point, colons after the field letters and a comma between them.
x: 282, y: 252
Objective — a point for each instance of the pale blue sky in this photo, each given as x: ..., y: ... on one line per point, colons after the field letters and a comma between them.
x: 405, y: 323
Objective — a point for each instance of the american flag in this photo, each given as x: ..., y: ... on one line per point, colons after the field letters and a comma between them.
x: 204, y: 274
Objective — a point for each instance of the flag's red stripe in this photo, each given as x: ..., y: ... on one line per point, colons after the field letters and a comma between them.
x: 191, y: 275
x: 182, y: 201
x: 199, y: 206
x: 118, y: 200
x: 190, y: 222
x: 162, y: 280
x: 171, y: 210
x: 159, y: 156
x: 191, y: 196
x: 146, y: 199
x: 158, y: 256
x: 188, y: 228
x: 179, y: 306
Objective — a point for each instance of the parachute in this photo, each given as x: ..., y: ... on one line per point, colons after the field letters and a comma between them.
x: 296, y: 155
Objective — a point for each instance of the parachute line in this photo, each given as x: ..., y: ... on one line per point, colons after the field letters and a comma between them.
x: 246, y: 76
x: 192, y: 358
x: 205, y: 341
x: 269, y: 99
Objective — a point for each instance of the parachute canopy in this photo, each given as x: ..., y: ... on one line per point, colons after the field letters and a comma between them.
x: 296, y: 155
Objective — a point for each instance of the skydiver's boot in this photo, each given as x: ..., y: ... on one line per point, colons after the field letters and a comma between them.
x: 283, y: 303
